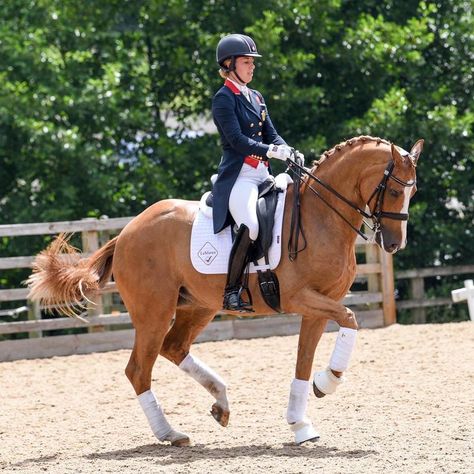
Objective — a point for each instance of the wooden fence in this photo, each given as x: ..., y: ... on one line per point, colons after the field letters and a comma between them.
x: 109, y: 329
x: 419, y: 301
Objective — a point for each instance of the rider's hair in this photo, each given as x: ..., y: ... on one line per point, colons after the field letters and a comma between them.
x: 222, y: 73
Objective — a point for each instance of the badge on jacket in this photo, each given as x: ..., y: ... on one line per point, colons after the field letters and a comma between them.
x: 264, y: 114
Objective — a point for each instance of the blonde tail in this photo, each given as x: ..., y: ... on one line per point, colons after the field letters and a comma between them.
x: 63, y: 279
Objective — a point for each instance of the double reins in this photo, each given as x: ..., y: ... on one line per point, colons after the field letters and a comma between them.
x: 376, y: 216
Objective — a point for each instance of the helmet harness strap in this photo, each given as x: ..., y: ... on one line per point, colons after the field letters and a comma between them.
x: 233, y: 69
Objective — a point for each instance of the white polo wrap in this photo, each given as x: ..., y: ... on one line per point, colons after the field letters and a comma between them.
x: 204, y: 375
x: 298, y: 401
x: 154, y: 414
x: 341, y: 354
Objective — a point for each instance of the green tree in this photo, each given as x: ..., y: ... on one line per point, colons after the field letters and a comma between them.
x: 88, y: 92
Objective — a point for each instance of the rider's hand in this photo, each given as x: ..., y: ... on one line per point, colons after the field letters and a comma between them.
x: 279, y: 152
x: 300, y: 158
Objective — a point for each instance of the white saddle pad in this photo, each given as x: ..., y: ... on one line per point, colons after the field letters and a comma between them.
x: 210, y: 252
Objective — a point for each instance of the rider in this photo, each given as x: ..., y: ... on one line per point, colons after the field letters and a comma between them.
x: 248, y: 139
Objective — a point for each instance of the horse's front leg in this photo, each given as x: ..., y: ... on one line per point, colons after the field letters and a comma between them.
x: 325, y: 382
x: 316, y: 310
x: 310, y: 334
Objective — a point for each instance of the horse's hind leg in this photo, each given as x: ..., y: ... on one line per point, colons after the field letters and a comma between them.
x: 188, y: 324
x: 150, y: 332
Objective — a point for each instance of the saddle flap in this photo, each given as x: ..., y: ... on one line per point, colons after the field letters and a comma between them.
x: 266, y: 207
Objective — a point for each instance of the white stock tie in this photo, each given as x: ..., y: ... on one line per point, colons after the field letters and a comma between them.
x: 245, y: 91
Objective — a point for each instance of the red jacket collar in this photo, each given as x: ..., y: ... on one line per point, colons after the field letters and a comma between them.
x: 232, y: 87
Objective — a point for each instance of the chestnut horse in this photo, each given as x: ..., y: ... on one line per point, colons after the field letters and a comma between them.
x: 170, y: 303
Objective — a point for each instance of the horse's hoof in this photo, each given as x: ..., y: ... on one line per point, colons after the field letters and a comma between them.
x: 220, y: 415
x: 304, y: 432
x: 309, y: 440
x: 177, y: 439
x: 182, y: 442
x: 318, y: 392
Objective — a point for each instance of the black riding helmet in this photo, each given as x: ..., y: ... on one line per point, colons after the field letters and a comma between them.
x: 233, y: 46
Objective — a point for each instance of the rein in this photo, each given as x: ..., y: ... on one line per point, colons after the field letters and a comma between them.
x: 376, y: 216
x: 295, y: 227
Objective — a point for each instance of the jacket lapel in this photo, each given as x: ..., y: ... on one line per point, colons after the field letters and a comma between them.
x: 255, y: 102
x: 252, y: 106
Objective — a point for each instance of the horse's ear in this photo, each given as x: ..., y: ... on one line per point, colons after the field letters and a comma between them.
x: 416, y: 150
x: 396, y: 155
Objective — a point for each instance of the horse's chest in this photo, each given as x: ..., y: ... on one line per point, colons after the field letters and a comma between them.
x: 338, y: 278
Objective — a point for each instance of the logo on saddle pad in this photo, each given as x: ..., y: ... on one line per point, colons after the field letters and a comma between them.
x: 207, y: 253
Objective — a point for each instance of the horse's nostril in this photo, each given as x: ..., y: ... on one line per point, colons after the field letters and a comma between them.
x: 394, y: 248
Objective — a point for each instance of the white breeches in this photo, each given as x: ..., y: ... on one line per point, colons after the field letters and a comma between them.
x: 244, y: 195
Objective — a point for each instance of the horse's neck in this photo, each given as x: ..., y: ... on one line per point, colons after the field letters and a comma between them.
x: 342, y: 173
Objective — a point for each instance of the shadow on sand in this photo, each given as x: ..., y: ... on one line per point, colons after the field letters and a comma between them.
x: 167, y: 455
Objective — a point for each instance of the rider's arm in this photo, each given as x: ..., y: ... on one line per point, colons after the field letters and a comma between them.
x: 225, y: 118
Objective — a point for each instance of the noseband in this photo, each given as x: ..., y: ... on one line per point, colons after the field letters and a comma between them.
x: 378, y: 196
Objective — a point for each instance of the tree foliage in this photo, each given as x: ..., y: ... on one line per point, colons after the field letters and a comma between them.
x: 102, y: 104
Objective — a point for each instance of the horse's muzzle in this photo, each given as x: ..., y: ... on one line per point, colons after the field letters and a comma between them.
x: 386, y: 241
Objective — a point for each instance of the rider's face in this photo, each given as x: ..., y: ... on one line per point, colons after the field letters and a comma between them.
x: 244, y: 66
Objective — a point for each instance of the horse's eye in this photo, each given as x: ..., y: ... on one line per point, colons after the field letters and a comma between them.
x: 394, y: 192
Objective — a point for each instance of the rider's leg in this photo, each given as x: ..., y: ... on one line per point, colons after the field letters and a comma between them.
x: 237, y: 263
x: 243, y: 208
x: 243, y: 200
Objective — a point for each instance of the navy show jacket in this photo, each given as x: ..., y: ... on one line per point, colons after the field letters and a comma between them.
x: 245, y: 129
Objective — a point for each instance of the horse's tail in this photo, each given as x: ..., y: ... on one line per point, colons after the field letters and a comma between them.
x: 61, y: 278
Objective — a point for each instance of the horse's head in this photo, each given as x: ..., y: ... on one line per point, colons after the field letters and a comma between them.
x: 388, y: 195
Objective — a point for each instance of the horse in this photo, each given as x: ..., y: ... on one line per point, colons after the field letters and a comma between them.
x: 170, y: 303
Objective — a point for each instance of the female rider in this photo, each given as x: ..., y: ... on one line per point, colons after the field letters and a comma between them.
x: 248, y: 139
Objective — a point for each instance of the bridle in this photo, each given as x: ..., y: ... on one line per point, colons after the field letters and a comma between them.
x: 375, y: 216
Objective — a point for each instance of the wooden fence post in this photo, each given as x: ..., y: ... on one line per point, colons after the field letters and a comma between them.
x: 388, y: 288
x: 90, y: 243
x: 34, y: 313
x: 372, y: 256
x: 417, y: 292
x: 107, y: 299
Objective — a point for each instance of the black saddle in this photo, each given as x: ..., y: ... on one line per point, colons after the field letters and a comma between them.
x: 266, y: 206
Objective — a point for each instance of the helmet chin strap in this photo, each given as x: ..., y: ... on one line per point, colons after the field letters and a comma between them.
x: 233, y: 69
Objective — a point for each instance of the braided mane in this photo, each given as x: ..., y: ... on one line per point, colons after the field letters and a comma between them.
x: 349, y: 142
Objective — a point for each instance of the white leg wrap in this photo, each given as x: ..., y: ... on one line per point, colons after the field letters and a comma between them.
x: 204, y: 375
x: 341, y: 354
x: 154, y: 414
x: 298, y: 401
x: 327, y: 382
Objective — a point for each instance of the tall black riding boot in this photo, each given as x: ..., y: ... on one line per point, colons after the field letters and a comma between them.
x: 237, y: 263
